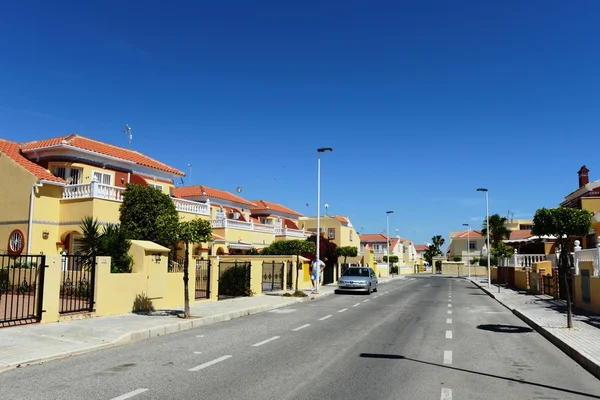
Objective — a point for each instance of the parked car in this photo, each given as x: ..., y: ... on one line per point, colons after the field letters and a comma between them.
x: 358, y: 279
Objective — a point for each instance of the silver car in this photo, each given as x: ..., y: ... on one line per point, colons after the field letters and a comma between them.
x: 358, y: 279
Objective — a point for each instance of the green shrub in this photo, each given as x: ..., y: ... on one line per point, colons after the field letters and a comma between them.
x: 457, y: 259
x: 474, y: 260
x: 483, y: 261
x: 4, y: 282
x: 394, y: 270
x: 142, y: 304
x: 235, y: 281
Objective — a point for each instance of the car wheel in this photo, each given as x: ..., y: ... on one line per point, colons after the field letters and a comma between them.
x: 375, y: 289
x: 369, y: 290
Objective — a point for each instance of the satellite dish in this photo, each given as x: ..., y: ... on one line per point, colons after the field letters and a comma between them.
x: 239, y: 189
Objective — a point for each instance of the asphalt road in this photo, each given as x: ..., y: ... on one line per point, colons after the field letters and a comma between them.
x: 422, y: 338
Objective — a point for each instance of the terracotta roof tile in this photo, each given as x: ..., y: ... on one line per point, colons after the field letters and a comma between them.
x: 101, y: 148
x: 421, y: 247
x: 521, y: 234
x: 288, y: 223
x: 343, y: 219
x: 262, y: 205
x: 200, y: 191
x: 471, y: 235
x: 372, y: 237
x: 13, y: 152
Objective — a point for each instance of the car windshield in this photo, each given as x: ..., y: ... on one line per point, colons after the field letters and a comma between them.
x: 356, y: 272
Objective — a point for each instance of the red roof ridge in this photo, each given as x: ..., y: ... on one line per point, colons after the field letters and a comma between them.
x: 201, y: 190
x: 13, y: 151
x: 138, y: 158
x: 269, y: 205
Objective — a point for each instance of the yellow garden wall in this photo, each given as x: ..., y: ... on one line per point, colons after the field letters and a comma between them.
x: 594, y: 304
x: 521, y: 279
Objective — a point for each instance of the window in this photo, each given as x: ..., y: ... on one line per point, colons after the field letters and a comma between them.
x: 331, y: 233
x: 219, y: 213
x: 472, y: 246
x: 71, y: 175
x: 351, y: 236
x: 16, y: 242
x: 265, y: 221
x: 156, y: 186
x: 102, y: 177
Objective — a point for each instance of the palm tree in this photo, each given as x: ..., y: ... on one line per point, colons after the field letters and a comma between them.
x: 498, y: 231
x: 438, y: 241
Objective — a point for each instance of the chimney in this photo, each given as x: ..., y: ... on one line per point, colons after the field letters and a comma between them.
x: 583, y: 176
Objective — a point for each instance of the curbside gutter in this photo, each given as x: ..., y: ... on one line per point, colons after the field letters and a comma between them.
x: 576, y: 354
x: 156, y: 331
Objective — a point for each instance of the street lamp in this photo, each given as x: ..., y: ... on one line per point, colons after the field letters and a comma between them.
x: 487, y: 221
x: 318, y: 274
x: 387, y: 228
x: 468, y: 248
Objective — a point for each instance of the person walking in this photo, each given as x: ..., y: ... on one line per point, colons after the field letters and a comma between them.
x: 313, y: 273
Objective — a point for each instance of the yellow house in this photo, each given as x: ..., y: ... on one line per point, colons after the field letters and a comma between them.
x: 400, y: 247
x: 458, y: 246
x: 240, y: 225
x: 336, y: 228
x: 51, y: 184
x: 586, y: 197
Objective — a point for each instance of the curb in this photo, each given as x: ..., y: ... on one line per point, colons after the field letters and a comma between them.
x: 578, y: 356
x: 156, y: 331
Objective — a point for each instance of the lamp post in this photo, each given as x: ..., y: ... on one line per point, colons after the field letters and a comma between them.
x: 487, y: 221
x: 468, y: 248
x: 318, y: 274
x: 387, y: 228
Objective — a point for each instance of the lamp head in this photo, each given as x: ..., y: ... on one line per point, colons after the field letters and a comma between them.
x: 482, y: 190
x: 324, y: 149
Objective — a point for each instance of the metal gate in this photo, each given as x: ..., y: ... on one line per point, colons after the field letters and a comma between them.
x: 290, y: 278
x: 21, y: 289
x: 234, y: 279
x: 272, y: 276
x: 202, y: 279
x: 78, y: 273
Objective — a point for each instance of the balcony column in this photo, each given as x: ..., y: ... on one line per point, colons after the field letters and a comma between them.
x: 93, y: 188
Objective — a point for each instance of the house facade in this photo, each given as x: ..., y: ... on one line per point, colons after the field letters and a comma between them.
x: 467, y: 244
x: 56, y: 182
x: 336, y: 228
x: 240, y: 225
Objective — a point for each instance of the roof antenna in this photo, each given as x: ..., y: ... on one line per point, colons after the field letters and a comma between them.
x: 190, y: 167
x: 127, y: 131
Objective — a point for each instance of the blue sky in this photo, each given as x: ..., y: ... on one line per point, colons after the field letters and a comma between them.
x: 422, y: 101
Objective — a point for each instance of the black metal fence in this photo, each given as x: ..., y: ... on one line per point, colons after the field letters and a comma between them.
x: 290, y: 273
x: 548, y: 285
x: 77, y: 284
x: 21, y: 288
x: 176, y: 264
x: 202, y: 279
x: 272, y: 276
x: 234, y: 279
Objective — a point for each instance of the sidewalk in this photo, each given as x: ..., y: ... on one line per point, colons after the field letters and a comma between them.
x: 549, y: 318
x: 31, y: 344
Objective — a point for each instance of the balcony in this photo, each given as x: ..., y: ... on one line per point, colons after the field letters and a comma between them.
x: 107, y: 192
x: 251, y: 226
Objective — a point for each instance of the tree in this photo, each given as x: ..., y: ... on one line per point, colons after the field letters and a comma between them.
x: 346, y: 251
x: 327, y: 251
x: 148, y: 214
x: 434, y: 249
x: 290, y: 248
x: 193, y: 231
x: 110, y: 241
x: 393, y: 259
x: 498, y: 231
x: 565, y: 224
x: 502, y: 251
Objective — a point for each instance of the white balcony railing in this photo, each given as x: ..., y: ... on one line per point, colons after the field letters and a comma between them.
x: 243, y: 225
x: 115, y: 193
x: 291, y: 232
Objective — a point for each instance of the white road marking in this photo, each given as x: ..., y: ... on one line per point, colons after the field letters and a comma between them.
x: 449, y: 305
x: 200, y: 336
x: 448, y: 320
x: 265, y: 341
x: 449, y: 312
x: 197, y: 352
x: 343, y: 309
x: 130, y: 394
x: 324, y: 318
x: 448, y: 357
x: 446, y: 394
x: 386, y: 292
x: 300, y: 327
x: 208, y: 364
x: 283, y: 311
x: 365, y: 300
x: 356, y: 305
x: 429, y: 284
x: 448, y: 334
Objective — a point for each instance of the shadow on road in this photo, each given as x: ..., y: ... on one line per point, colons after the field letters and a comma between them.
x: 541, y: 385
x: 499, y: 328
